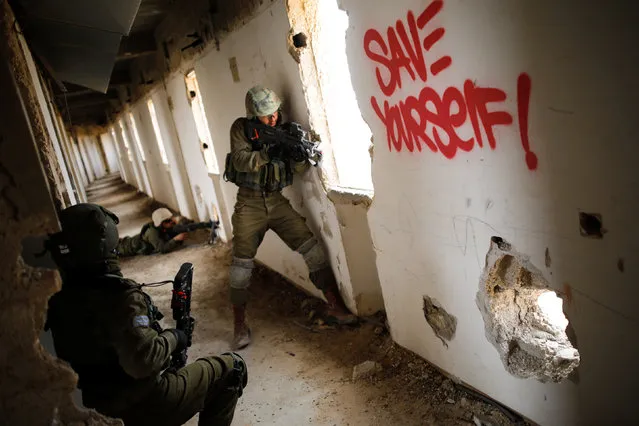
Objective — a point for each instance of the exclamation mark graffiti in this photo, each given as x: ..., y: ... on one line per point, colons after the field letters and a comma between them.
x: 523, y: 103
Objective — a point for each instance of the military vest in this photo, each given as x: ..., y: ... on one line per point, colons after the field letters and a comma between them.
x: 272, y: 176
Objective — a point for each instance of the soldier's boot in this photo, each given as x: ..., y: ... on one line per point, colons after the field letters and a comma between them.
x: 241, y: 330
x: 336, y: 312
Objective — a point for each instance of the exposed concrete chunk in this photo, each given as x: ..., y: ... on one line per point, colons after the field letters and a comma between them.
x: 443, y: 324
x: 523, y: 317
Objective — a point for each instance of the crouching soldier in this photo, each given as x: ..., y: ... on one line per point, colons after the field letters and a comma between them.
x: 262, y: 170
x: 106, y: 328
x: 155, y: 236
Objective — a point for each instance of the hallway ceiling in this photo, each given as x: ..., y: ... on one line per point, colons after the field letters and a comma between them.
x: 86, y: 47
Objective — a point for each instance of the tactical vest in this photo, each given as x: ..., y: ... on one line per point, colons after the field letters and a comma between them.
x: 272, y: 176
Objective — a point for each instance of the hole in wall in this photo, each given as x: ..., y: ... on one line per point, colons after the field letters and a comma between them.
x: 591, y: 225
x: 443, y: 324
x: 621, y: 265
x: 299, y: 40
x: 524, y: 317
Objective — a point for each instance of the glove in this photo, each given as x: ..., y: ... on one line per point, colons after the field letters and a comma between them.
x: 182, y: 339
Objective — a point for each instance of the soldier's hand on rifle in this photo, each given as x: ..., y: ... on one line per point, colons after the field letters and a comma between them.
x: 180, y: 237
x: 182, y: 339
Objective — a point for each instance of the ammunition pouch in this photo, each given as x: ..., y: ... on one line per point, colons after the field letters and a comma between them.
x: 273, y: 176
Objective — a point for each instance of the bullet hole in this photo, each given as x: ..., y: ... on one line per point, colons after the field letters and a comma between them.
x: 548, y: 259
x: 621, y: 265
x: 299, y: 40
x: 205, y: 145
x: 591, y: 225
x: 524, y: 318
x: 192, y: 94
x: 443, y: 324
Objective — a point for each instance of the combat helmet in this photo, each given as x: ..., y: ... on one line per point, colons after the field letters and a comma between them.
x: 261, y: 101
x: 89, y: 236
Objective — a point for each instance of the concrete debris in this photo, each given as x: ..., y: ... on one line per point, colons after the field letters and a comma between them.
x: 528, y: 333
x: 366, y: 369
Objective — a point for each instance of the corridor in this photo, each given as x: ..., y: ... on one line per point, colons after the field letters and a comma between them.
x: 299, y: 372
x: 467, y: 170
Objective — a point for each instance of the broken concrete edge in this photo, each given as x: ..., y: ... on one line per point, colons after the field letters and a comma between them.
x: 345, y: 196
x: 530, y: 343
x: 21, y: 74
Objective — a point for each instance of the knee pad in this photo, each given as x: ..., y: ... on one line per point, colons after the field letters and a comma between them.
x: 314, y: 255
x: 240, y: 273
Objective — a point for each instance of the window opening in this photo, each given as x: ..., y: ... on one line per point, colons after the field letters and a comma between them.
x: 202, y: 125
x: 156, y: 130
x: 136, y: 136
x: 350, y: 135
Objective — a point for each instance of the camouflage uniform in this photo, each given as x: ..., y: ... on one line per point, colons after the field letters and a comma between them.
x: 106, y: 328
x: 258, y: 210
x: 151, y: 239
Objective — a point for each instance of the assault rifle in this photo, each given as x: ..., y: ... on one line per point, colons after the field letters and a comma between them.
x: 190, y: 227
x: 181, y: 307
x: 290, y: 137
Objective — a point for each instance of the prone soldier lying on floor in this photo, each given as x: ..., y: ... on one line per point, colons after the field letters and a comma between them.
x: 162, y: 235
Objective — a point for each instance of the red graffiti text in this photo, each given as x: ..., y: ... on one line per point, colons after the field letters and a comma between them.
x: 403, y: 52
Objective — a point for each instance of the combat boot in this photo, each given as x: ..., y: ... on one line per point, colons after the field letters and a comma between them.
x: 336, y: 312
x: 241, y: 331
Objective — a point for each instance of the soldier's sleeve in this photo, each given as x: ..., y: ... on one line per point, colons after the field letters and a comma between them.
x: 142, y: 351
x: 153, y: 237
x: 244, y: 158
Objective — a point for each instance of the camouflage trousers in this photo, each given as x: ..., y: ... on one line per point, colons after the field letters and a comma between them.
x: 255, y: 213
x: 204, y: 387
x: 132, y: 246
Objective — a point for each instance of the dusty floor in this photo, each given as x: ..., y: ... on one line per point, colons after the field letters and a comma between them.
x: 299, y: 373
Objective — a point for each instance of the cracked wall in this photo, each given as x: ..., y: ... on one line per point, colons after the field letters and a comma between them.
x: 36, y: 387
x: 531, y: 340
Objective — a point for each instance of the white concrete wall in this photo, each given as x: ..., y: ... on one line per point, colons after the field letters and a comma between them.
x: 63, y: 181
x: 94, y: 155
x: 433, y: 216
x: 85, y: 156
x: 84, y: 176
x: 159, y: 173
x: 178, y: 174
x: 201, y: 184
x: 109, y: 150
x: 138, y: 155
x: 126, y: 168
